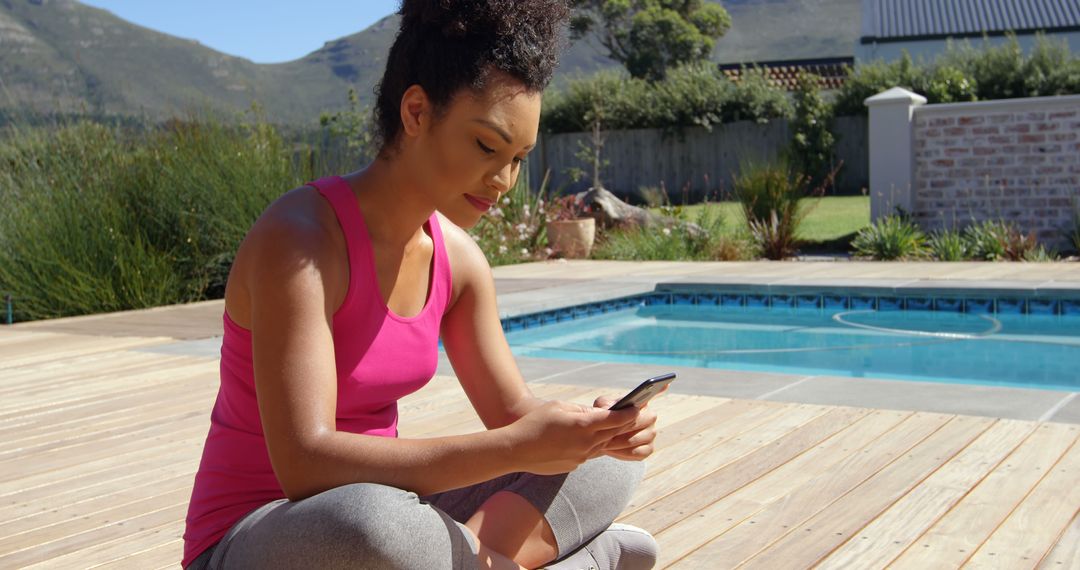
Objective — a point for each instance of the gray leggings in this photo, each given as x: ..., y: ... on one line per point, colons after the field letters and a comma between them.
x: 367, y: 525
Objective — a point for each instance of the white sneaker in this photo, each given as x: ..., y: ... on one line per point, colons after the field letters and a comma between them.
x: 618, y: 547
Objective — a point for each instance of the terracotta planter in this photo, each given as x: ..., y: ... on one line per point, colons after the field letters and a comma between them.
x: 572, y: 238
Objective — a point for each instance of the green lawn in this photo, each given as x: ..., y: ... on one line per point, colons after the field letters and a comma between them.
x: 831, y: 219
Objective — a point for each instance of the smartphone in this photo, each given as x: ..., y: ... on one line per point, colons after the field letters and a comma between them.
x: 644, y: 391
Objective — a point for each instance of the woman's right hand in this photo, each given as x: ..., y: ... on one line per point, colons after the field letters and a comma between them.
x: 558, y: 436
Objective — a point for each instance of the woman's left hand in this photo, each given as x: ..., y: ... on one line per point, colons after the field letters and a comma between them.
x: 634, y: 443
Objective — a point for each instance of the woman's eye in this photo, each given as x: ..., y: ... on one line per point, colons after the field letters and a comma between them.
x: 520, y: 160
x: 484, y: 147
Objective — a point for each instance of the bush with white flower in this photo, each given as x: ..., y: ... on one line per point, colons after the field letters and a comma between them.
x: 513, y: 231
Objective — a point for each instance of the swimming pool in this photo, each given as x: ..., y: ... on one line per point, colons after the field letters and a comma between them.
x: 959, y: 337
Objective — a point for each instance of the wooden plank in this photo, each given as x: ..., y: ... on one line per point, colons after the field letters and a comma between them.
x: 728, y: 421
x: 92, y: 393
x: 692, y: 532
x: 963, y: 529
x: 162, y: 556
x: 113, y: 450
x: 114, y: 529
x: 74, y: 373
x: 68, y: 453
x: 64, y: 513
x: 135, y: 407
x: 43, y: 440
x: 123, y: 554
x: 690, y: 499
x: 70, y: 493
x: 1066, y: 554
x: 895, y: 529
x: 102, y: 408
x: 725, y: 448
x: 162, y: 450
x: 673, y: 409
x: 450, y: 408
x: 49, y: 414
x: 781, y: 515
x: 687, y: 427
x: 834, y: 524
x: 74, y: 534
x: 460, y: 417
x: 101, y: 381
x: 51, y: 351
x: 430, y: 396
x: 1034, y: 526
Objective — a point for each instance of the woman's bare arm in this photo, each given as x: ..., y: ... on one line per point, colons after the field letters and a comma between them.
x: 474, y: 341
x: 296, y: 387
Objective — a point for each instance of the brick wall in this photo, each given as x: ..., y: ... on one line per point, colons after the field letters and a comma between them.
x: 1016, y: 159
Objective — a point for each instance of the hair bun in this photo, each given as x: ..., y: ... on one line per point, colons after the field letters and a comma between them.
x: 455, y: 18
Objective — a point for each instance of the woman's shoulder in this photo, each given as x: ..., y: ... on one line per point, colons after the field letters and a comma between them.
x: 294, y: 233
x: 468, y: 264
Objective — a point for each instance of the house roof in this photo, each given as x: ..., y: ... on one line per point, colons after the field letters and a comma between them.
x: 832, y: 71
x: 896, y: 20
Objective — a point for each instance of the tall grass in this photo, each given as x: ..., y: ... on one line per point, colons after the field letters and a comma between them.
x: 772, y: 198
x: 97, y: 218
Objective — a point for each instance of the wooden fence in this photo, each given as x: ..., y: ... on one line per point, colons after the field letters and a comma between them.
x: 700, y: 163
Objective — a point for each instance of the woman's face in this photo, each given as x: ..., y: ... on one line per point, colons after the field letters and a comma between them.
x: 466, y: 160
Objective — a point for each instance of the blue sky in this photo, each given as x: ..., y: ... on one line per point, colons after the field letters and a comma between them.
x: 264, y: 31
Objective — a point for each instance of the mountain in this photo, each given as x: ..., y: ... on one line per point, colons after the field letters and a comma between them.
x: 60, y: 55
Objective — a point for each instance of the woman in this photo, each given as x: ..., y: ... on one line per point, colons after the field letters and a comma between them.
x: 333, y: 310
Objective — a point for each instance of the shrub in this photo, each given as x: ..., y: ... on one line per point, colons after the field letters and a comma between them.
x: 1004, y: 71
x: 986, y: 240
x: 621, y: 101
x: 99, y: 218
x: 513, y: 231
x: 693, y: 95
x: 690, y: 95
x: 948, y: 245
x: 812, y: 142
x: 757, y: 99
x: 890, y: 238
x: 939, y: 82
x: 770, y: 196
x: 998, y: 240
x: 968, y: 73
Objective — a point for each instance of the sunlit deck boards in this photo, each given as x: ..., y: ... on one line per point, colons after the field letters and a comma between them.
x: 99, y: 442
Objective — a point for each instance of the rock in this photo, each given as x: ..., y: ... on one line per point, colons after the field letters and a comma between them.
x: 611, y: 212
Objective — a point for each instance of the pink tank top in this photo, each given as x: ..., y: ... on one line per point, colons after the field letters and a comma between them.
x: 380, y: 357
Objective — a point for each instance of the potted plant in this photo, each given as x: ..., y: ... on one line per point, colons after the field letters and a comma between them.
x: 570, y: 230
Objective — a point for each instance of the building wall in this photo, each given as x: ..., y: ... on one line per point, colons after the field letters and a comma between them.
x: 928, y: 49
x: 1015, y: 159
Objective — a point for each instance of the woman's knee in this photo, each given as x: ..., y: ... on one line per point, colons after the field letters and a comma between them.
x: 373, y: 518
x: 602, y: 487
x: 376, y: 525
x: 618, y: 478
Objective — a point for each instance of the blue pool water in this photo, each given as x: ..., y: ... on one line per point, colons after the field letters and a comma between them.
x: 1025, y: 350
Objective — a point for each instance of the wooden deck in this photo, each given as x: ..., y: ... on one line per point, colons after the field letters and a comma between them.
x: 99, y: 443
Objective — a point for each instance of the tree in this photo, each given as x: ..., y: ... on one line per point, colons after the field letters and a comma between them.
x: 356, y: 124
x: 650, y: 36
x: 812, y: 142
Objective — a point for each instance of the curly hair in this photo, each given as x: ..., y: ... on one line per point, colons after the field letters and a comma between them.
x: 448, y: 45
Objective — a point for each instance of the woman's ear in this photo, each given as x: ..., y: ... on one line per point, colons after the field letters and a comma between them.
x: 415, y: 110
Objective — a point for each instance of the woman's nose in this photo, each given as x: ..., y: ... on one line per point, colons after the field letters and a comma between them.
x: 503, y: 180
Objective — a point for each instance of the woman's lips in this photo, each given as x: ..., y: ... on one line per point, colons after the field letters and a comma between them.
x: 479, y: 203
